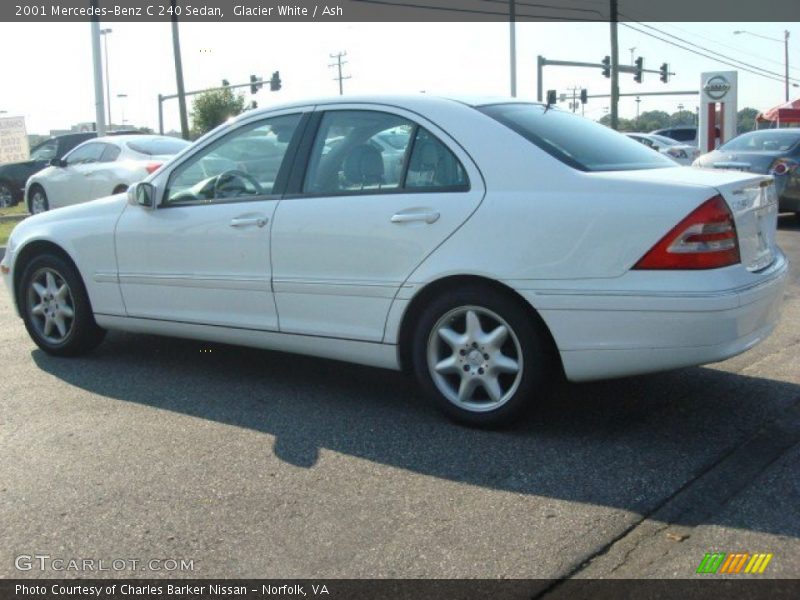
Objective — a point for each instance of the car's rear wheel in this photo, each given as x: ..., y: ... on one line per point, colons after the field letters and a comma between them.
x: 38, y: 201
x: 480, y: 355
x: 6, y: 195
x: 56, y: 308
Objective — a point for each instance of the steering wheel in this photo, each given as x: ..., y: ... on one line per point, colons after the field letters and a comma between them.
x: 227, y: 186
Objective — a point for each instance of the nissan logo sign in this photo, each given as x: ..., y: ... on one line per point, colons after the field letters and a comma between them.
x: 716, y: 87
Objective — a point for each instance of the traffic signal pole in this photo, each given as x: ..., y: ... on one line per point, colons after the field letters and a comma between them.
x: 162, y: 97
x: 613, y: 16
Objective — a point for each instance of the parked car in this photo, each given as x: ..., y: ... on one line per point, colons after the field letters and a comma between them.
x: 770, y: 151
x: 517, y: 243
x: 683, y: 133
x: 14, y: 175
x: 99, y: 167
x: 683, y: 154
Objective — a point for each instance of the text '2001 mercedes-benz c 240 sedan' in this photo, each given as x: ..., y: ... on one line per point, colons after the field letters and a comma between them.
x: 486, y: 246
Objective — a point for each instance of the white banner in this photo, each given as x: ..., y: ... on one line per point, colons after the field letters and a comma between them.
x: 13, y: 140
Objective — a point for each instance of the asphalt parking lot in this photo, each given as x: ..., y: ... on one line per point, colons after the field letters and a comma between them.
x: 260, y: 464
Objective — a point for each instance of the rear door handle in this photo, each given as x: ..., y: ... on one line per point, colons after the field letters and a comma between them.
x: 428, y: 216
x: 245, y: 221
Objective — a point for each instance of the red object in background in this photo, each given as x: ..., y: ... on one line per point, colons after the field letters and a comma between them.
x: 788, y: 112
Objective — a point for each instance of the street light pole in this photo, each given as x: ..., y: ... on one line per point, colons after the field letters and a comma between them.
x: 786, y: 59
x: 785, y: 54
x: 104, y: 33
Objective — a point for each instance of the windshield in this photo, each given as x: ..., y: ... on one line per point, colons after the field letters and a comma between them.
x: 158, y: 146
x: 576, y: 141
x: 770, y: 141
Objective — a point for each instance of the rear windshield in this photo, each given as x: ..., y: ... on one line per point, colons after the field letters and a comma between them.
x: 768, y: 141
x: 574, y: 140
x: 158, y: 147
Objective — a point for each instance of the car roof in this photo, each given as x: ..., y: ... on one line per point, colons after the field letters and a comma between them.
x: 131, y: 137
x: 415, y: 101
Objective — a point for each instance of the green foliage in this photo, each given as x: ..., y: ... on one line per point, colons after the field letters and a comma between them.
x: 210, y: 109
x: 657, y: 119
x: 746, y: 120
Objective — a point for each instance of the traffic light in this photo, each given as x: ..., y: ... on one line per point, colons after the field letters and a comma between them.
x: 551, y: 97
x: 664, y: 72
x: 255, y: 84
x: 253, y: 104
x: 637, y: 76
x: 584, y: 96
x: 225, y: 83
x: 607, y: 66
x: 275, y: 81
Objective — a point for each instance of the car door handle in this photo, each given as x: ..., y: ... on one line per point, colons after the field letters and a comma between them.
x: 428, y: 216
x: 245, y: 221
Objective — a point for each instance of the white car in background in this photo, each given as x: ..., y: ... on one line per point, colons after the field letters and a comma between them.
x: 680, y: 152
x: 100, y: 167
x: 517, y: 242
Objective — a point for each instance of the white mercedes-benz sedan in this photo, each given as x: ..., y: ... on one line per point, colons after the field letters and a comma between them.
x: 497, y: 245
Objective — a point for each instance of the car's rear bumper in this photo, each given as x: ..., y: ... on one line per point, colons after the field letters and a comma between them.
x: 608, y: 336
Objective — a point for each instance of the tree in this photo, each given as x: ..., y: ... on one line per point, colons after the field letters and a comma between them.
x: 746, y: 120
x: 652, y: 119
x: 212, y: 108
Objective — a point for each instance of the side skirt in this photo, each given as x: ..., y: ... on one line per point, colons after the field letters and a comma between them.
x: 372, y: 354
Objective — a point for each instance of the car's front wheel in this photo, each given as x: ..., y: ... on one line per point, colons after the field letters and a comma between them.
x: 56, y: 308
x: 481, y: 356
x: 38, y: 201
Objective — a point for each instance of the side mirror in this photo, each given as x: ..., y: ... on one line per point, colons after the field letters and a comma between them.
x: 143, y: 194
x: 57, y: 162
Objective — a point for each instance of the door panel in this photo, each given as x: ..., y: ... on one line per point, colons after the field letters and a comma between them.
x: 203, y: 256
x: 195, y: 264
x: 341, y: 252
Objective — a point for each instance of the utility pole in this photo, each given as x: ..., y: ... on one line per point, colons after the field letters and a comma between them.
x: 632, y: 50
x: 339, y: 62
x: 614, y: 66
x: 638, y: 100
x: 104, y: 33
x: 786, y: 59
x: 99, y: 107
x: 176, y: 50
x: 512, y: 22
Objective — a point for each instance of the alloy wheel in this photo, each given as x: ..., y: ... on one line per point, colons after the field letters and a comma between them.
x: 475, y: 358
x: 51, y: 305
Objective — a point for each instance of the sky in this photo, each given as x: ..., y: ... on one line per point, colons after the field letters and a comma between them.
x: 48, y: 77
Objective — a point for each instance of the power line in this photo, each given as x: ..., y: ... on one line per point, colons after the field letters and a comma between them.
x: 758, y: 56
x: 752, y: 66
x: 714, y: 58
x: 488, y: 12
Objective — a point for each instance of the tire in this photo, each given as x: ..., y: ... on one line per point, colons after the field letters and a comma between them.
x: 56, y: 308
x: 120, y: 189
x: 797, y: 216
x: 477, y: 373
x: 7, y: 196
x: 37, y: 202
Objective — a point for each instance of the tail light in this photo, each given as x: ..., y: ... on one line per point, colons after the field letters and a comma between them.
x: 153, y: 167
x: 706, y: 239
x: 782, y: 166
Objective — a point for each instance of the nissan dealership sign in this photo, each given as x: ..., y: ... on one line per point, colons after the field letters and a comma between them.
x: 716, y: 87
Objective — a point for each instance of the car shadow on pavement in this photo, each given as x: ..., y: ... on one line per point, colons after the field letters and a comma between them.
x: 626, y: 443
